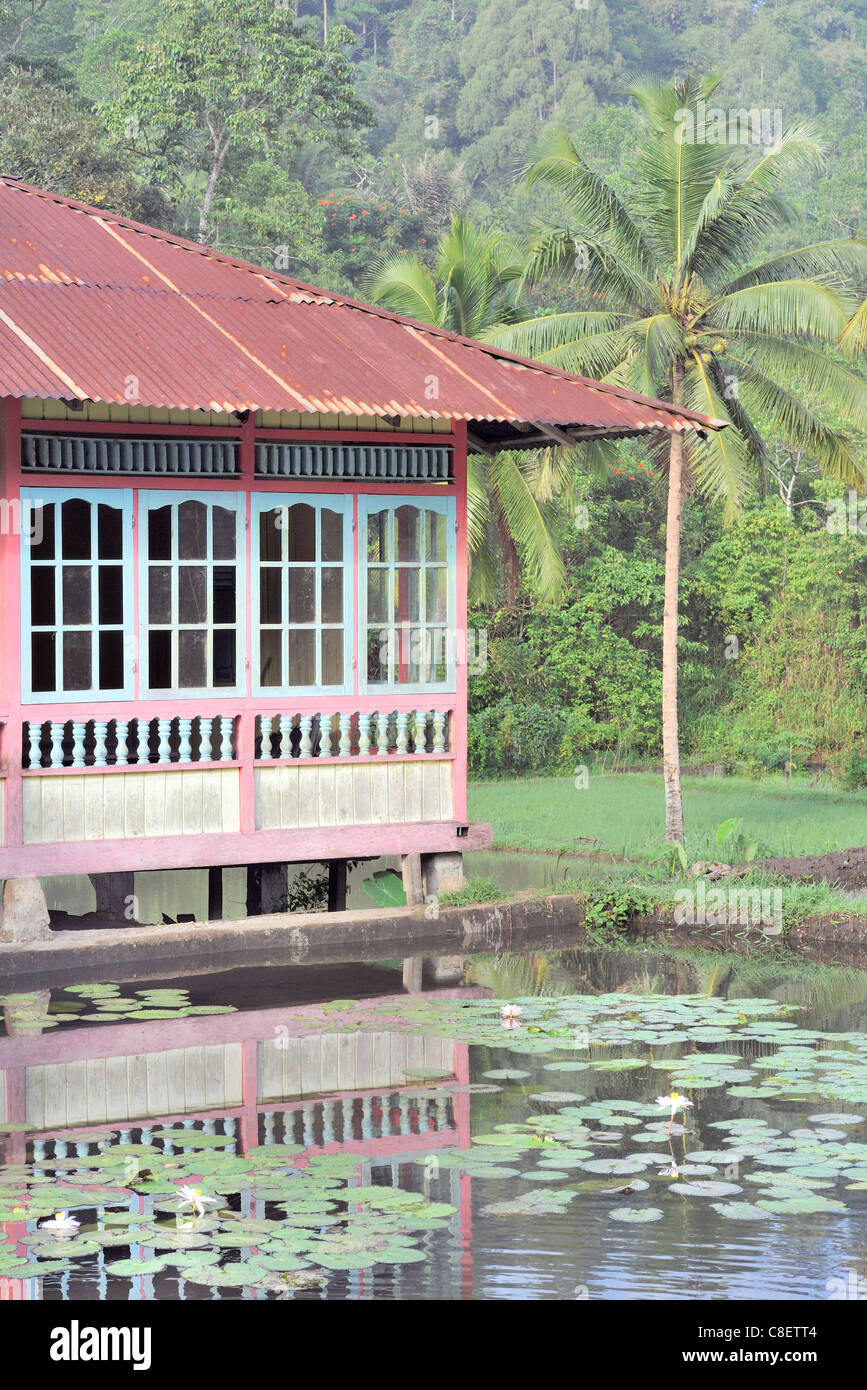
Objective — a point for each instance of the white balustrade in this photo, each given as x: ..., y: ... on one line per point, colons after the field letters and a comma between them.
x: 413, y: 733
x: 106, y: 742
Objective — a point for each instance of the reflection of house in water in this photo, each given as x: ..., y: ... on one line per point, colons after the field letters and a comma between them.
x: 261, y: 1079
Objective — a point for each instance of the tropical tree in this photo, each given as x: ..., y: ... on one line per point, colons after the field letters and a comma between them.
x: 693, y: 316
x: 219, y: 80
x: 472, y: 290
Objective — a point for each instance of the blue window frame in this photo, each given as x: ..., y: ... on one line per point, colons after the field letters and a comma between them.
x: 302, y: 593
x: 76, y: 594
x: 407, y: 602
x: 192, y: 558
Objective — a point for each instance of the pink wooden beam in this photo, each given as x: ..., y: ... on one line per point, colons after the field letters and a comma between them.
x: 458, y: 735
x: 92, y: 1041
x: 256, y: 847
x: 10, y: 628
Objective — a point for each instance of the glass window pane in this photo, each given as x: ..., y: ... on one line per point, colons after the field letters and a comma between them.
x: 75, y: 526
x: 160, y: 594
x: 110, y: 579
x: 225, y: 530
x: 332, y: 535
x: 302, y: 658
x: 192, y: 594
x: 159, y: 660
x: 109, y: 533
x: 332, y: 656
x: 301, y: 533
x: 110, y: 660
x: 192, y: 531
x: 42, y: 596
x: 191, y: 660
x: 435, y: 541
x: 408, y: 594
x: 76, y: 598
x: 377, y: 590
x: 377, y: 655
x: 160, y: 534
x: 42, y: 532
x: 225, y: 664
x: 42, y: 649
x: 302, y: 600
x: 271, y: 528
x: 270, y: 595
x: 224, y: 593
x: 332, y: 596
x: 438, y: 660
x: 77, y: 661
x: 379, y: 529
x: 436, y: 595
x: 270, y: 657
x: 408, y: 521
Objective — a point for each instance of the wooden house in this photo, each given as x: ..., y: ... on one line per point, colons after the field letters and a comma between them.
x: 233, y: 554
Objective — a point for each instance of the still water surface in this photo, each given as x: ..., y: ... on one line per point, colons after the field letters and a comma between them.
x: 315, y: 1063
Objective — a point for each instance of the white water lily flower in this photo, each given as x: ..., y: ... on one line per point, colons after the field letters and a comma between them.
x: 675, y: 1103
x: 672, y: 1171
x: 194, y: 1197
x: 63, y: 1223
x: 511, y: 1011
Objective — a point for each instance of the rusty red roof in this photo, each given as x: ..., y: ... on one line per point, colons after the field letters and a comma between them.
x: 96, y: 307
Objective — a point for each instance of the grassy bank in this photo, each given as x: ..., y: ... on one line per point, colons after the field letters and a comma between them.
x: 624, y: 813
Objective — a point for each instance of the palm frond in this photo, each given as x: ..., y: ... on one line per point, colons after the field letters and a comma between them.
x: 823, y: 378
x: 407, y: 287
x: 853, y: 339
x: 528, y: 526
x: 798, y: 307
x: 594, y: 205
x: 830, y: 260
x: 721, y: 464
x: 799, y: 426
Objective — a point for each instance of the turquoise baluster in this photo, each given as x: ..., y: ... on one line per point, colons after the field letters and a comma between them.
x: 439, y: 726
x: 345, y: 745
x: 402, y: 722
x: 185, y: 729
x: 100, y: 735
x: 78, y: 732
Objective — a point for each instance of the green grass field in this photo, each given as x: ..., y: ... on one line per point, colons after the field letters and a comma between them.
x: 626, y: 813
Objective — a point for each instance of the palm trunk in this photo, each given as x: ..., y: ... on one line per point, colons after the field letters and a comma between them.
x: 670, y: 737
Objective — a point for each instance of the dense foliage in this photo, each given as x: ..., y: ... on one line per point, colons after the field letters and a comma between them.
x: 327, y: 136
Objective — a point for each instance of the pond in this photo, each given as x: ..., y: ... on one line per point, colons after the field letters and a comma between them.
x: 565, y: 1125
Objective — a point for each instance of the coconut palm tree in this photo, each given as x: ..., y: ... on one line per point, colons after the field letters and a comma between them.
x: 472, y: 290
x: 694, y: 316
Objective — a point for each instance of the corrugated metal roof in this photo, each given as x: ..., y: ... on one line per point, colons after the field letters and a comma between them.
x: 99, y: 308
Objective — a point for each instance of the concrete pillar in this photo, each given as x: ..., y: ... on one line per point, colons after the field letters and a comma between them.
x: 413, y: 969
x: 413, y: 885
x: 267, y: 888
x: 24, y: 912
x: 442, y: 873
x: 23, y: 1014
x: 115, y: 896
x: 337, y: 885
x: 215, y: 893
x: 444, y: 970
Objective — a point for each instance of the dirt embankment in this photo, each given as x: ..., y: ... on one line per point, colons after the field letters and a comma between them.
x: 847, y: 868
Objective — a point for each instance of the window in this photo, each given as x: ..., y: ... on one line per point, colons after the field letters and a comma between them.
x: 76, y: 594
x: 190, y: 549
x: 407, y: 568
x: 302, y: 593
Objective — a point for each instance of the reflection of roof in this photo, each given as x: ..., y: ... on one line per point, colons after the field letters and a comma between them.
x: 89, y: 300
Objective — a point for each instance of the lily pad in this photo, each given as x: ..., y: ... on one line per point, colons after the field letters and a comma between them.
x: 638, y: 1214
